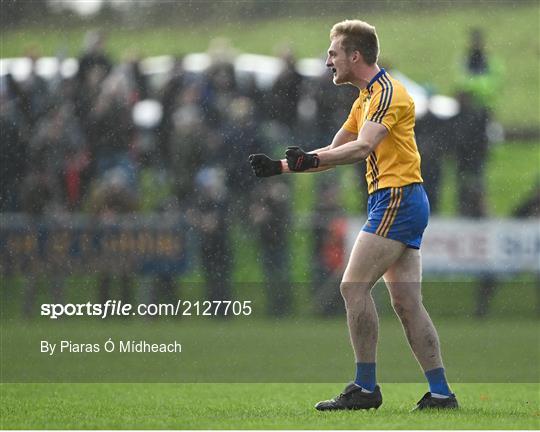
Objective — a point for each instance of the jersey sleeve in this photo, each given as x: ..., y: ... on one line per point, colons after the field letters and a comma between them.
x: 384, y: 108
x: 351, y: 124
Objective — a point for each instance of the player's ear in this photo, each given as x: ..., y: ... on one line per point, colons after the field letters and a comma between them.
x: 356, y: 56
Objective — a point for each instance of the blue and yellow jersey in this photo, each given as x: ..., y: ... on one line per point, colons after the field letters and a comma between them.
x: 396, y: 161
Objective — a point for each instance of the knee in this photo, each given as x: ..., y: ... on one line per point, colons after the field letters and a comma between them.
x: 404, y: 306
x: 346, y: 291
x: 353, y: 292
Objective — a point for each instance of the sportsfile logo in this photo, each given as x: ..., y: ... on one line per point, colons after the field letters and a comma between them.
x: 109, y: 308
x: 118, y: 308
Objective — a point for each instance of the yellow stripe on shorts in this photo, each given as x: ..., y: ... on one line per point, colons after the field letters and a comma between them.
x: 394, y: 213
x: 387, y: 211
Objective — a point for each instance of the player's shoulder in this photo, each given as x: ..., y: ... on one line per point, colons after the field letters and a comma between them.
x: 387, y: 83
x: 388, y: 87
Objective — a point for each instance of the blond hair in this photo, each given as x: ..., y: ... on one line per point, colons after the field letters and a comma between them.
x: 357, y: 36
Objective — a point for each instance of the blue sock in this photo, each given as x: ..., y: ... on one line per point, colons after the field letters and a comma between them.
x: 365, y: 376
x: 437, y: 382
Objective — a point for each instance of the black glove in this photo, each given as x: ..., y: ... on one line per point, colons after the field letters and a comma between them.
x: 299, y: 160
x: 263, y: 166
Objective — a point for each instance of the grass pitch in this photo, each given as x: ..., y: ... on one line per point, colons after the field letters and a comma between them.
x: 255, y: 406
x: 264, y: 351
x: 286, y: 351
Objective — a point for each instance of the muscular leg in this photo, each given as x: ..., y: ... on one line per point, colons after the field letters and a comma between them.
x: 370, y: 258
x: 404, y: 279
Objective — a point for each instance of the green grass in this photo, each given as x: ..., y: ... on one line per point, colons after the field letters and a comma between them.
x: 255, y: 406
x: 513, y: 171
x: 251, y: 349
x: 260, y: 374
x: 427, y: 44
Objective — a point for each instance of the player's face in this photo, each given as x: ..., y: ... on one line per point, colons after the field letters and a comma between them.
x: 339, y: 62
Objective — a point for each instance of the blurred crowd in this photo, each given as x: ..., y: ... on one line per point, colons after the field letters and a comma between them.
x: 72, y: 145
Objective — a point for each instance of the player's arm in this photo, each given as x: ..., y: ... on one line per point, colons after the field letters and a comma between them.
x: 342, y: 136
x: 354, y: 151
x: 350, y: 152
x: 263, y: 166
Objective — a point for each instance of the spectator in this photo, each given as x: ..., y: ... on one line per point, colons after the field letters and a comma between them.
x: 93, y: 56
x: 187, y: 142
x: 111, y: 196
x: 434, y: 139
x: 208, y: 216
x: 12, y: 154
x: 33, y: 92
x: 219, y: 91
x: 478, y: 84
x: 329, y: 230
x: 59, y: 140
x: 40, y: 198
x: 110, y: 128
x: 286, y: 92
x: 478, y: 87
x: 241, y: 136
x: 169, y: 97
x: 481, y: 74
x: 94, y: 66
x: 157, y: 196
x: 471, y: 147
x: 270, y: 213
x: 330, y: 107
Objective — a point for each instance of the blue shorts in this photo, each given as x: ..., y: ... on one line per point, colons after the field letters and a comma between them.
x: 399, y: 213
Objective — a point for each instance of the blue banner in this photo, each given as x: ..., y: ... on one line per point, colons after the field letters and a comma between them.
x: 139, y: 244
